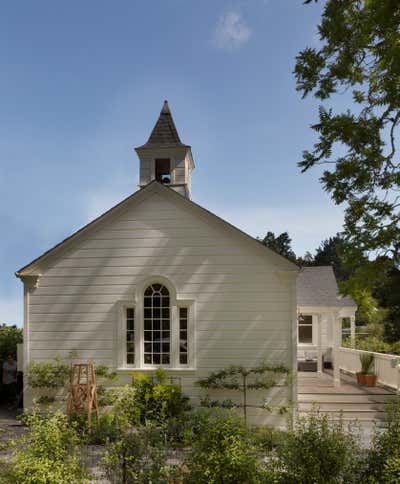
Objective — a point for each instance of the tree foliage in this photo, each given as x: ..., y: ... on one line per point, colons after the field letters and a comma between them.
x: 359, y: 55
x: 10, y: 336
x: 281, y: 244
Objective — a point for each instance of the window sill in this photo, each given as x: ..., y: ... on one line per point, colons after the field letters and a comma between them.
x: 154, y: 368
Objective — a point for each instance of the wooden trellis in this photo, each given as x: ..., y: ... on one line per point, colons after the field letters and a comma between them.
x: 82, y: 398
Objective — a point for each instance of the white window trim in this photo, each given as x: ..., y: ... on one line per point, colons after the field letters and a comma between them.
x: 121, y: 334
x: 313, y: 329
x: 137, y: 303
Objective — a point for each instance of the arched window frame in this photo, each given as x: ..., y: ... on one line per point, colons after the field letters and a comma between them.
x: 137, y: 303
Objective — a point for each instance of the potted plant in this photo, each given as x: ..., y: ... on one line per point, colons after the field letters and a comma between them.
x: 370, y: 376
x: 367, y: 361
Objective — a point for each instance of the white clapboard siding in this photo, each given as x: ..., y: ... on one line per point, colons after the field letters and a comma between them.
x: 243, y: 307
x: 245, y: 281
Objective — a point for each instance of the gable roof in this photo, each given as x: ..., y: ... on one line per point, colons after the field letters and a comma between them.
x: 317, y: 286
x: 153, y: 186
x: 164, y: 132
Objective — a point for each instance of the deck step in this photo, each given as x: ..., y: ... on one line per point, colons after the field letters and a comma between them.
x: 360, y: 416
x: 344, y: 398
x: 345, y: 408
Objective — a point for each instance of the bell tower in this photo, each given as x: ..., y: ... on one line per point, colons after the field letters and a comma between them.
x: 165, y: 158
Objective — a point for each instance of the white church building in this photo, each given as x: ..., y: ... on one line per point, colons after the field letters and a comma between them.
x: 158, y: 280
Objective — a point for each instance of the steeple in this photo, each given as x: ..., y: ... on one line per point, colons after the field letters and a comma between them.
x: 164, y: 157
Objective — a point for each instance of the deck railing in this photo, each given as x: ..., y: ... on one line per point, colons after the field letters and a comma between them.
x: 386, y: 366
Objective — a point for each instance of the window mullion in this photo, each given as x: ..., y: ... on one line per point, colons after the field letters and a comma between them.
x: 174, y: 337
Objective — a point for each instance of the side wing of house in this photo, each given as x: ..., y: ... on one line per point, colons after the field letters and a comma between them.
x: 321, y: 311
x: 161, y: 281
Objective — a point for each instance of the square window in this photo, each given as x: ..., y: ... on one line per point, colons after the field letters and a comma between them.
x: 165, y: 302
x: 156, y: 301
x: 130, y: 359
x: 147, y: 325
x: 148, y: 336
x: 183, y: 359
x: 305, y: 334
x: 156, y: 335
x: 157, y: 313
x: 182, y: 334
x: 165, y: 347
x: 130, y: 325
x: 130, y: 336
x: 147, y: 358
x: 156, y: 358
x: 165, y: 359
x: 156, y: 325
x: 147, y: 302
x: 165, y: 324
x: 130, y: 347
x: 156, y: 347
x: 183, y: 346
x: 147, y: 347
x: 165, y: 336
x: 183, y: 324
x: 165, y: 313
x: 147, y: 313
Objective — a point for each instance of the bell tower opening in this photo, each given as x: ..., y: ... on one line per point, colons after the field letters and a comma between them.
x: 164, y: 158
x: 163, y: 170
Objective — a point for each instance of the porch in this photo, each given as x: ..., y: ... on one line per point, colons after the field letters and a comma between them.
x: 345, y: 399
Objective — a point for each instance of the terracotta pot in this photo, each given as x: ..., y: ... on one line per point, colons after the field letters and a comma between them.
x: 370, y: 380
x: 361, y: 378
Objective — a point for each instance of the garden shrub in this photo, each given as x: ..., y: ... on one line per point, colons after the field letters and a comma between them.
x: 391, y: 471
x: 48, y: 375
x: 49, y: 454
x: 266, y: 438
x: 125, y: 405
x: 156, y: 400
x: 221, y: 450
x: 385, y: 446
x: 108, y: 429
x: 317, y: 451
x: 138, y: 457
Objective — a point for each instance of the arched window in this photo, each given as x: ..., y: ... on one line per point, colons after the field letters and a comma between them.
x: 157, y: 325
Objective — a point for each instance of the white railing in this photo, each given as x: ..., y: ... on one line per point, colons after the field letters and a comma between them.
x: 386, y: 366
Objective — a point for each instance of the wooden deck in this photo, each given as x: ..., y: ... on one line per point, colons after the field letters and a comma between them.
x: 349, y: 401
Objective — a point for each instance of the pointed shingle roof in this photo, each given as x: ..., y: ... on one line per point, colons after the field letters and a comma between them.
x: 164, y: 133
x: 317, y: 286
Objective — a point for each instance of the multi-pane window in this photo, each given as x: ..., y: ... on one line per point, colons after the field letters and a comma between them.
x: 183, y: 336
x: 305, y: 329
x: 157, y: 325
x: 130, y: 336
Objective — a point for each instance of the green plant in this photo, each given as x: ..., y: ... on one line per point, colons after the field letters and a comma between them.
x: 156, y: 400
x: 266, y: 438
x: 317, y: 451
x: 241, y: 379
x: 385, y: 446
x: 49, y: 454
x: 47, y: 374
x: 137, y: 457
x: 367, y: 363
x: 391, y: 470
x: 221, y: 450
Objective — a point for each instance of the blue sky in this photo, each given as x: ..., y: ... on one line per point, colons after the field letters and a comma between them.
x: 82, y: 83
